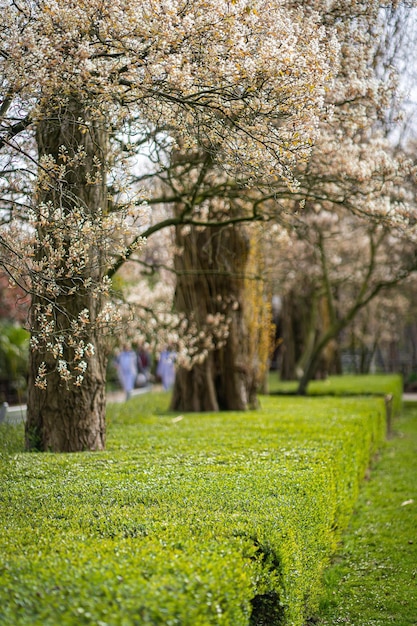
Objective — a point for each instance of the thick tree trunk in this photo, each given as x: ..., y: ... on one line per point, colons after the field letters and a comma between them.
x: 221, y: 383
x: 65, y: 417
x: 211, y: 280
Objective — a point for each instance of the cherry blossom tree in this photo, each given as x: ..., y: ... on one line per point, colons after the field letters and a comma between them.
x: 354, y: 166
x: 241, y: 83
x: 335, y: 265
x: 376, y: 329
x: 352, y: 163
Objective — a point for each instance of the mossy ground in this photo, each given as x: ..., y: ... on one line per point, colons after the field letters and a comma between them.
x: 373, y: 579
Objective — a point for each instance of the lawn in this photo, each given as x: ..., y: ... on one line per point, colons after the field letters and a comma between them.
x: 373, y: 579
x: 188, y: 520
x: 346, y: 385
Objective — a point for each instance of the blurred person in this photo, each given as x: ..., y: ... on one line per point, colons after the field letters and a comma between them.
x: 127, y: 369
x: 144, y: 363
x: 166, y: 367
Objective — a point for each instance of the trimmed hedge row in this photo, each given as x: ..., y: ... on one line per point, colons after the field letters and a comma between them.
x: 193, y: 520
x: 347, y: 385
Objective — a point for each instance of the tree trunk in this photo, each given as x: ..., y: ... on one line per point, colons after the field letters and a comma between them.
x: 299, y: 321
x: 330, y: 359
x: 308, y: 372
x: 211, y: 280
x: 289, y: 344
x: 65, y: 417
x: 314, y: 357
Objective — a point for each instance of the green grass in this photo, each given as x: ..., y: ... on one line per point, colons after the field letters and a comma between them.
x: 373, y: 580
x: 346, y: 385
x: 187, y: 520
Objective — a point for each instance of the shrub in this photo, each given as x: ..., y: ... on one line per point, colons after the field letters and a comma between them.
x: 347, y: 385
x: 14, y: 346
x: 223, y: 519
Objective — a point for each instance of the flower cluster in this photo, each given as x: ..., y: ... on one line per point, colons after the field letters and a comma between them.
x: 246, y: 80
x: 61, y: 259
x: 147, y: 317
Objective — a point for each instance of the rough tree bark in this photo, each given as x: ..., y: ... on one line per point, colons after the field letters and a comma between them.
x: 63, y: 417
x: 210, y: 277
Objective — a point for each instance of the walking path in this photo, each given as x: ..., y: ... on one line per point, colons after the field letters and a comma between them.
x: 16, y: 414
x: 410, y: 397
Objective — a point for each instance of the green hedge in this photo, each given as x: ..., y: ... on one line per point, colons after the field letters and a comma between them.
x: 346, y: 385
x: 192, y: 520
